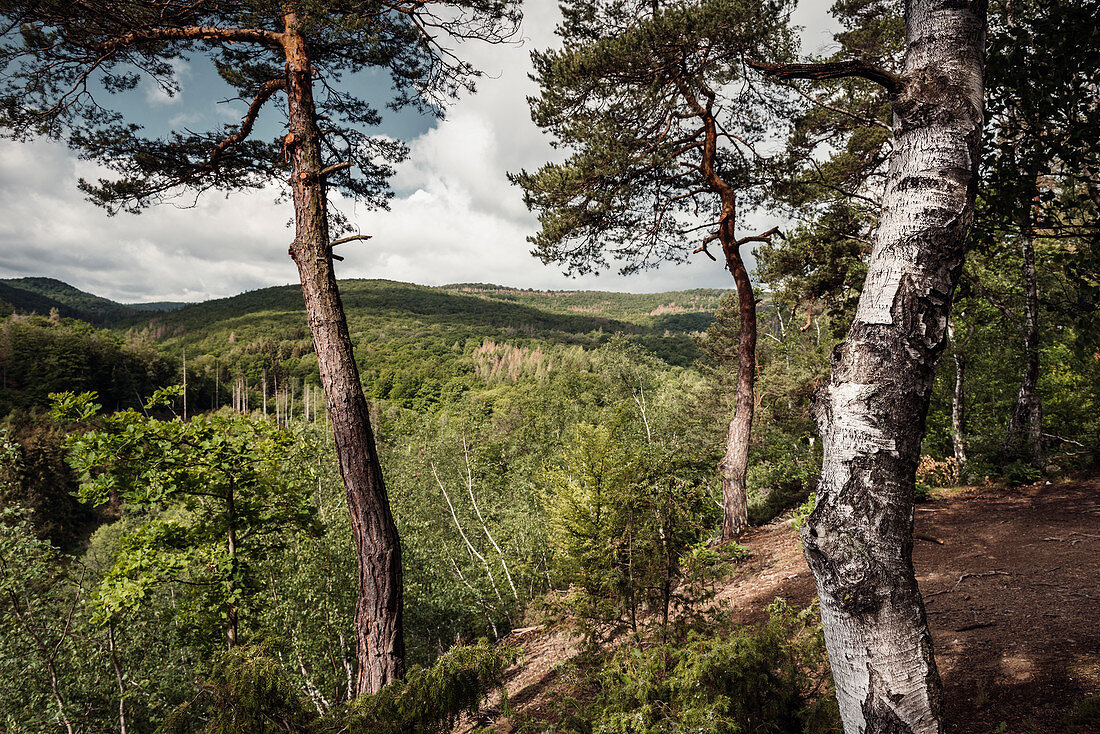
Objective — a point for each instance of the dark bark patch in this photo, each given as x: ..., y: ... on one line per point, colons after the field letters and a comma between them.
x: 880, y: 717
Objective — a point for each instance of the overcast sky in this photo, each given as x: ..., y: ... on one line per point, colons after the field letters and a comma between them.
x: 455, y: 217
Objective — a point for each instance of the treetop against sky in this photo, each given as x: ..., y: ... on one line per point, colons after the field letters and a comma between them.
x: 454, y: 216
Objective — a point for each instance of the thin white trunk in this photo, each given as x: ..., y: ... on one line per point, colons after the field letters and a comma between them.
x: 484, y: 527
x: 469, y: 546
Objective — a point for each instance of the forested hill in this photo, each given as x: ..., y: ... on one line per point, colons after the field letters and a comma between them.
x: 411, y: 340
x: 43, y: 295
x: 407, y: 317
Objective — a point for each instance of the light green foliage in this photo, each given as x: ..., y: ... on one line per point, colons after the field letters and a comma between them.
x: 310, y: 578
x: 802, y: 512
x: 622, y: 517
x: 204, y: 497
x: 53, y: 668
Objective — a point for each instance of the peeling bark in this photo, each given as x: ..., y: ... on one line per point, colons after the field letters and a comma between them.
x: 380, y: 645
x: 871, y: 412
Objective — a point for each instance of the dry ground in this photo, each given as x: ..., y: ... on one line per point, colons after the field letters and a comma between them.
x: 1011, y: 580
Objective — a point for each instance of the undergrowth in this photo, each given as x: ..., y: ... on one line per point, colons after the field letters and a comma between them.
x: 772, y: 678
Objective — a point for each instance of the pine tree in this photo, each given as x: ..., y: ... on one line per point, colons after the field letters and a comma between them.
x: 64, y: 59
x: 662, y: 119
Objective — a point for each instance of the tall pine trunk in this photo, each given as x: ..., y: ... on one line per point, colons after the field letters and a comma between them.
x: 735, y: 464
x: 380, y: 646
x: 871, y: 412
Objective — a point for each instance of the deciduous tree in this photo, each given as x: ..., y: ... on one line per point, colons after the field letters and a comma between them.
x: 871, y: 412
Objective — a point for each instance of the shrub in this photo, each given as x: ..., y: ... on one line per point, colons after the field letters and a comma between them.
x: 774, y: 679
x: 430, y: 700
x: 1020, y: 472
x: 922, y: 492
x: 1086, y: 715
x: 802, y: 512
x: 249, y: 692
x: 778, y: 486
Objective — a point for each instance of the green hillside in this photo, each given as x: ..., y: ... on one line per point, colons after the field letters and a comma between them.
x: 40, y: 295
x: 415, y: 344
x: 689, y: 310
x: 420, y: 318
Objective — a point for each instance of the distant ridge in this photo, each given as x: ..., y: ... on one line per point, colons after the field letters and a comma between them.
x: 37, y: 295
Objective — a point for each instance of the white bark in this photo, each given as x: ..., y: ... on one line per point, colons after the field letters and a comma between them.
x: 858, y: 540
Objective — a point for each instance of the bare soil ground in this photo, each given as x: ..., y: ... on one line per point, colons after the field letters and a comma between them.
x: 1011, y: 581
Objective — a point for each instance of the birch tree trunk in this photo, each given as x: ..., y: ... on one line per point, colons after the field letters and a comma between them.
x: 1025, y: 424
x: 958, y: 404
x: 380, y: 645
x: 872, y: 411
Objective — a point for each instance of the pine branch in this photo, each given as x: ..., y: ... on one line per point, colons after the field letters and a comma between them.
x: 268, y: 89
x: 191, y: 33
x: 834, y: 70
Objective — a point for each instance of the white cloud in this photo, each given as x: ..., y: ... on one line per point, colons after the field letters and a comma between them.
x: 219, y: 247
x: 457, y: 218
x: 157, y: 94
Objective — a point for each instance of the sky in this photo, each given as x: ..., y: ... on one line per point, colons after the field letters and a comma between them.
x: 454, y: 218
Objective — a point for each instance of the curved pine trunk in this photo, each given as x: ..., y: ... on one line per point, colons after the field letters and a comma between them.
x: 380, y: 646
x: 735, y: 464
x: 871, y: 412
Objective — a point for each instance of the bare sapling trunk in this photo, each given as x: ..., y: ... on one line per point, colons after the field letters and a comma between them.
x: 1025, y: 424
x: 958, y: 402
x: 871, y: 412
x: 231, y: 612
x: 380, y: 646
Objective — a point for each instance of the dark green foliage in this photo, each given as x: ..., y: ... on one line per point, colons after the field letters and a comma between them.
x: 40, y: 355
x: 247, y: 691
x: 769, y: 679
x: 631, y: 97
x: 1020, y: 472
x: 37, y: 478
x: 60, y: 48
x: 429, y: 700
x: 40, y: 295
x: 821, y: 263
x: 1086, y: 715
x: 922, y: 492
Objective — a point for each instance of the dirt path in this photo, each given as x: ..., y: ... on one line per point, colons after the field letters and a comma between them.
x: 1011, y: 580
